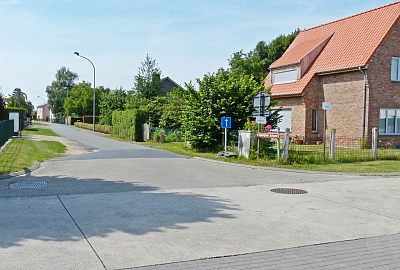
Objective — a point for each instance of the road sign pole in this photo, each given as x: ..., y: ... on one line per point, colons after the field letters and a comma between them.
x: 226, y: 140
x: 324, y: 134
x: 259, y: 128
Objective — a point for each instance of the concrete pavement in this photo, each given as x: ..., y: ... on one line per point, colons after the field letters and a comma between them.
x: 126, y: 205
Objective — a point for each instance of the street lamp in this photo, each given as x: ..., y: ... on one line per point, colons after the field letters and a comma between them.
x: 94, y: 89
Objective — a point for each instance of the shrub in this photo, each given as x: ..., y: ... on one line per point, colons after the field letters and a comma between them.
x: 99, y: 128
x: 128, y: 124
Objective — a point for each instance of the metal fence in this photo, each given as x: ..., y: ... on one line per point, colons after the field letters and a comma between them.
x: 6, y: 131
x: 335, y: 148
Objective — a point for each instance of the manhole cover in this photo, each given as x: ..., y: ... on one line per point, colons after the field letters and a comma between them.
x: 289, y: 191
x: 29, y: 185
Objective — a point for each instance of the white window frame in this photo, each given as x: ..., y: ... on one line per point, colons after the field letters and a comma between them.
x: 397, y: 116
x: 393, y: 79
x: 286, y: 70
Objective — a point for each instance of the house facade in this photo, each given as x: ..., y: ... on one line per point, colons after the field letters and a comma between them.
x: 353, y: 63
x: 44, y: 113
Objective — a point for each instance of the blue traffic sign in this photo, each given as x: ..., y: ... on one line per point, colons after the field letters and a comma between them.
x: 226, y: 122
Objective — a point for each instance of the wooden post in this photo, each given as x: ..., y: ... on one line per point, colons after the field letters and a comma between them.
x: 286, y: 145
x: 332, y: 144
x: 375, y: 143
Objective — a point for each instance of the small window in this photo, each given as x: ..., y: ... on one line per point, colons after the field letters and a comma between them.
x: 395, y: 69
x: 314, y: 120
x: 389, y: 122
x: 284, y: 76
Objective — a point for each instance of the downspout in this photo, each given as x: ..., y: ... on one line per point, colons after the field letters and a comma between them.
x: 363, y: 71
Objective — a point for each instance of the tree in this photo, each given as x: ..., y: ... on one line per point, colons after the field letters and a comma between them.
x: 59, y: 90
x: 148, y: 80
x: 257, y: 61
x: 2, y: 106
x: 220, y: 94
x: 171, y: 117
x: 80, y: 100
x: 111, y: 101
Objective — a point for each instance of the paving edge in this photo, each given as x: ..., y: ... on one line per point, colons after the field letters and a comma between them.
x: 256, y: 252
x: 27, y: 171
x: 295, y: 170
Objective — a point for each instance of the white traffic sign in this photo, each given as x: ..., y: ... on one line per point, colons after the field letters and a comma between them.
x: 261, y: 120
x: 326, y: 106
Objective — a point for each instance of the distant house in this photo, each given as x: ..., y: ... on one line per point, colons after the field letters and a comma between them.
x: 44, y: 113
x: 353, y: 63
x: 167, y: 85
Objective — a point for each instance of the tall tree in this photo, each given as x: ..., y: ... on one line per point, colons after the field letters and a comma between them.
x: 256, y: 62
x: 59, y: 90
x: 148, y: 80
x: 80, y: 99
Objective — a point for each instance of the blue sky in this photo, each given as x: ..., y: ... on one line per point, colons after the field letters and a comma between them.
x: 187, y: 38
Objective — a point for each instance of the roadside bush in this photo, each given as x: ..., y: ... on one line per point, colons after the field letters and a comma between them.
x: 128, y: 124
x: 72, y: 120
x: 99, y: 128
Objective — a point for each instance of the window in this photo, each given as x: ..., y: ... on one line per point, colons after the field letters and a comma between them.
x: 389, y: 121
x: 314, y: 119
x: 395, y: 69
x: 284, y: 76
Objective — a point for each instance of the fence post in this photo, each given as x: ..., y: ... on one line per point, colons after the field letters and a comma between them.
x: 332, y: 144
x: 278, y: 145
x: 286, y: 145
x: 375, y: 143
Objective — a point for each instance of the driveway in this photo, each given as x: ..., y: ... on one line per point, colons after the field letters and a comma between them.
x: 124, y: 205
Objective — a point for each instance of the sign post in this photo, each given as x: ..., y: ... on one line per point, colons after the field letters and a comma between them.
x: 261, y: 102
x: 226, y: 122
x: 326, y: 106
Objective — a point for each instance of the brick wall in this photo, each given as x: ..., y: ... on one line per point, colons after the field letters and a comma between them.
x: 298, y: 112
x: 345, y: 91
x: 384, y: 93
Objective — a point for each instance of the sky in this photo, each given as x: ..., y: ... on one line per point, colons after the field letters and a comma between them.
x: 187, y: 38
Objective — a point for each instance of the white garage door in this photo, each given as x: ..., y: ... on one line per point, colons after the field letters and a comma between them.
x: 286, y: 120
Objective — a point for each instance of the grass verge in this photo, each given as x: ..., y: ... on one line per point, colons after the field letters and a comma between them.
x: 39, y: 131
x: 380, y: 166
x: 40, y: 124
x: 22, y: 153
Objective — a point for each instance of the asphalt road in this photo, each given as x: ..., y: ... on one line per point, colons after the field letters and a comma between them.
x: 125, y: 205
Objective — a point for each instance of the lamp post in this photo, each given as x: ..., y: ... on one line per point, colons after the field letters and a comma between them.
x: 94, y: 88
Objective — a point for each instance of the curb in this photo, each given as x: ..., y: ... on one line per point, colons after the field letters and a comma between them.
x: 25, y: 172
x: 296, y: 171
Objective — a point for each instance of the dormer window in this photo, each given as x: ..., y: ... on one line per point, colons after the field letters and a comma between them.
x: 287, y: 75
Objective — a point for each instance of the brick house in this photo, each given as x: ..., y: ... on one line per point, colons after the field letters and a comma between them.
x: 353, y: 63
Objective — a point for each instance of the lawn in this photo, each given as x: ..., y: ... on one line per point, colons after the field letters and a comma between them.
x: 380, y: 166
x: 39, y: 124
x: 22, y: 153
x: 39, y: 131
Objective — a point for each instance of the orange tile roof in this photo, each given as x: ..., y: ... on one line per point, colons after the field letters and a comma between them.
x: 352, y: 44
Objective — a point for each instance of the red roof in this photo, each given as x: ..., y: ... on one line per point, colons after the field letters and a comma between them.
x: 352, y: 44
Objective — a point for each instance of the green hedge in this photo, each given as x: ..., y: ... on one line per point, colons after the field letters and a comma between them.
x: 128, y: 124
x: 72, y: 120
x: 99, y: 128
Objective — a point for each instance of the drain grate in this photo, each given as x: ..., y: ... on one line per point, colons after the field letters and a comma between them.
x: 28, y: 185
x: 289, y: 191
